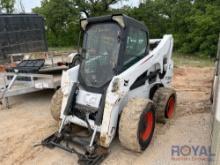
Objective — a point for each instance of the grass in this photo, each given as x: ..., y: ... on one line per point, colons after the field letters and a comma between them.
x: 192, y: 60
x: 62, y: 49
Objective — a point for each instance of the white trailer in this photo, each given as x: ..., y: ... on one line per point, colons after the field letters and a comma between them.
x: 16, y: 86
x: 47, y: 78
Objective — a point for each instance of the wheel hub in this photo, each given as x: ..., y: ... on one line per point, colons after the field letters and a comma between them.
x: 170, y: 107
x: 145, y: 134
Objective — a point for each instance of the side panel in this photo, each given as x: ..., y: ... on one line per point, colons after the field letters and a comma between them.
x: 68, y: 78
x: 215, y: 138
x: 116, y: 100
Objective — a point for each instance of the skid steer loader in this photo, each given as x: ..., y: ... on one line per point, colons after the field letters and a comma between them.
x: 122, y: 84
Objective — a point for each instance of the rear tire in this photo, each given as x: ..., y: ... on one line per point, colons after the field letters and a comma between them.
x: 137, y: 124
x: 55, y: 105
x: 165, y: 102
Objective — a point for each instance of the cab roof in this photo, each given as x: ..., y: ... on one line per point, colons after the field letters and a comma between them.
x: 128, y: 21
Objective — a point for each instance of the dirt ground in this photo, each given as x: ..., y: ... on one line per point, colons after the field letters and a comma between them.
x: 29, y: 121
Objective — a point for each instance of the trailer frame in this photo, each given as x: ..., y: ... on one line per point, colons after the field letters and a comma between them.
x: 15, y: 87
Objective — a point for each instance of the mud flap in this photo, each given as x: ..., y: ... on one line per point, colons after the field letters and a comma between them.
x: 86, y: 158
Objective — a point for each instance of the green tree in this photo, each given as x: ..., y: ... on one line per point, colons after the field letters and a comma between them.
x: 94, y: 7
x: 194, y: 24
x: 7, y: 5
x: 204, y: 30
x: 153, y: 14
x: 62, y: 18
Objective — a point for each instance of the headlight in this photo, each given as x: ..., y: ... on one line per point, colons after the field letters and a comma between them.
x: 115, y: 85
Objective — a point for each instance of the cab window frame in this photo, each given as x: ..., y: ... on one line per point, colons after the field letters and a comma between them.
x: 127, y: 62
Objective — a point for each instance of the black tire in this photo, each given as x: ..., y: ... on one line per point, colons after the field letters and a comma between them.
x: 76, y: 61
x: 137, y: 123
x: 55, y: 105
x: 165, y: 102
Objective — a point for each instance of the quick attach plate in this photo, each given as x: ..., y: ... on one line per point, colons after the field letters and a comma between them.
x: 77, y: 145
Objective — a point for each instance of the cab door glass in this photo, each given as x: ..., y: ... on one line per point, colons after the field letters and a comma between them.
x: 136, y: 46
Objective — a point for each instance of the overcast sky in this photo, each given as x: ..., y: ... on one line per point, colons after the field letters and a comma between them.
x: 30, y: 4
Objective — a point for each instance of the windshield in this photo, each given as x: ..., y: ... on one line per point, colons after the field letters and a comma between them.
x: 100, y: 51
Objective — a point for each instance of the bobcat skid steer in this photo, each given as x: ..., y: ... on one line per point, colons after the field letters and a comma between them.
x: 121, y: 85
